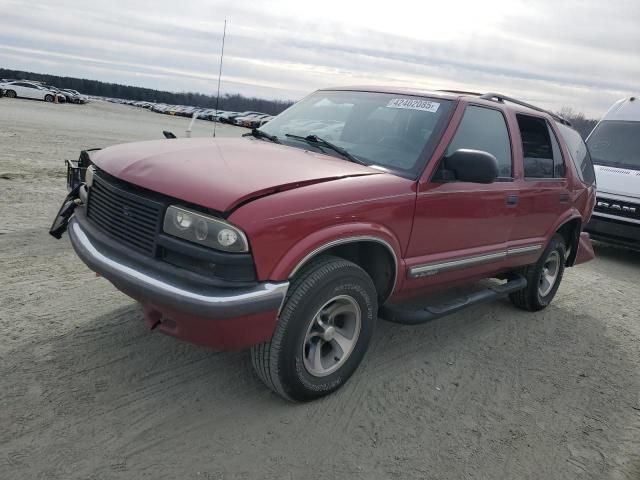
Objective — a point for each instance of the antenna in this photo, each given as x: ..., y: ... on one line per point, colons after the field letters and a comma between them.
x: 224, y: 34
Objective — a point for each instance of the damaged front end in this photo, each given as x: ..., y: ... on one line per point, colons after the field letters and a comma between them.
x: 76, y: 179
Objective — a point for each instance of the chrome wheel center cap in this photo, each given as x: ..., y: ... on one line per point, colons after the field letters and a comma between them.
x: 328, y: 334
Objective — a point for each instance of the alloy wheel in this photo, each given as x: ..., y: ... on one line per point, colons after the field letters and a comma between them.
x: 549, y: 274
x: 332, y: 336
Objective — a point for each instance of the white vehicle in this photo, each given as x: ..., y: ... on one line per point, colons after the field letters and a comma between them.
x: 614, y: 145
x: 75, y: 96
x: 25, y: 89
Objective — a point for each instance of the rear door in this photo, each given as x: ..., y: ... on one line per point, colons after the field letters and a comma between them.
x: 460, y: 228
x: 544, y: 193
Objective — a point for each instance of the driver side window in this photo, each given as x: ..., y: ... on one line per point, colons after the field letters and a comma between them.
x: 484, y: 129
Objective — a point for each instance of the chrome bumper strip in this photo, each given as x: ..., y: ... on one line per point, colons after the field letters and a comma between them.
x: 146, y: 285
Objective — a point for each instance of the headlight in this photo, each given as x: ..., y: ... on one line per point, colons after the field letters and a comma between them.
x: 204, y: 230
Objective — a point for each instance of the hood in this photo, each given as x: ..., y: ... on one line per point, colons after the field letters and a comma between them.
x: 618, y: 181
x: 221, y: 173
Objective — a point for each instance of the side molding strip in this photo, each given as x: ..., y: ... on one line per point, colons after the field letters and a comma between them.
x: 465, y: 262
x: 511, y: 252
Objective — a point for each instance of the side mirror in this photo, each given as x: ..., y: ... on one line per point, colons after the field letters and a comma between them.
x: 472, y: 166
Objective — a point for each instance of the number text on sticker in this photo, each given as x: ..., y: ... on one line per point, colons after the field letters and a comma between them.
x: 413, y: 104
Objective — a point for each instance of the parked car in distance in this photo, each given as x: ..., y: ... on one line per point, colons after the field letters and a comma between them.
x: 70, y: 97
x: 614, y: 145
x: 207, y: 113
x: 236, y: 120
x: 233, y: 116
x: 62, y: 96
x: 251, y: 121
x: 266, y: 120
x: 225, y: 117
x: 159, y: 108
x: 75, y: 96
x: 298, y: 243
x: 24, y: 89
x: 188, y: 111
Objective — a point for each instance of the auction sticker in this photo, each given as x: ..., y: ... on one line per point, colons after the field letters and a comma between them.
x: 413, y: 104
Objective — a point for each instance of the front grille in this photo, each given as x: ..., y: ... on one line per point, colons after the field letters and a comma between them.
x: 128, y: 217
x: 617, y: 208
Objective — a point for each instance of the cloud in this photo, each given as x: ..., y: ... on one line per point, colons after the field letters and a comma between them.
x: 582, y: 54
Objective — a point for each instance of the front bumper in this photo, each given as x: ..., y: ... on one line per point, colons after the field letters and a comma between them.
x: 222, y: 318
x: 611, y: 230
x: 141, y: 282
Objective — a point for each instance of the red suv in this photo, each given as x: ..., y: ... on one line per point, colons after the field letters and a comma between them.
x: 294, y: 239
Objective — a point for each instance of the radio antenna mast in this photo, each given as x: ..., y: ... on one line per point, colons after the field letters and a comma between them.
x: 224, y: 34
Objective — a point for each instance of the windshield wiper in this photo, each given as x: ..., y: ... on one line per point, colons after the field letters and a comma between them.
x: 260, y: 134
x: 321, y: 142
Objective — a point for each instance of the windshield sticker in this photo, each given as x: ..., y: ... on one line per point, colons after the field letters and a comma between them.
x: 412, y: 104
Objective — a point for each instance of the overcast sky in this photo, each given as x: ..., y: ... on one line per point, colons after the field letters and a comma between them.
x: 584, y: 54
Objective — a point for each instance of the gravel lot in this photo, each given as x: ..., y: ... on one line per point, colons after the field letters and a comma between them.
x: 87, y: 392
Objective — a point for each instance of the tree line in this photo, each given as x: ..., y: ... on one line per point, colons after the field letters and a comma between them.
x: 579, y: 121
x: 233, y: 102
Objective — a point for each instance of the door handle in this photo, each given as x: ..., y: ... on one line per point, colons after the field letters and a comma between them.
x: 512, y: 200
x: 564, y: 197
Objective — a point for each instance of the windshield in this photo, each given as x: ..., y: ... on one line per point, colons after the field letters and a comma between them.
x: 396, y: 132
x: 616, y: 143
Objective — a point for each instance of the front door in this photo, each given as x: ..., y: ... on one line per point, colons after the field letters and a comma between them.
x: 461, y: 229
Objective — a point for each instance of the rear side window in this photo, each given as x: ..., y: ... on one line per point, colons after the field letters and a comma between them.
x: 579, y: 153
x: 542, y: 154
x: 484, y: 129
x: 558, y: 162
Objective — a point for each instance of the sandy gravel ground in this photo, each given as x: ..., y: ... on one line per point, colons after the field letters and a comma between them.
x: 87, y: 392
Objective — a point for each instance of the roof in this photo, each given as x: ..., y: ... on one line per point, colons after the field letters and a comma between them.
x: 418, y: 92
x: 454, y: 95
x: 627, y: 109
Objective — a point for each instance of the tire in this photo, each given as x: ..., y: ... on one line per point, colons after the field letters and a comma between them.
x: 10, y: 94
x: 543, y: 278
x: 344, y: 296
x: 48, y: 98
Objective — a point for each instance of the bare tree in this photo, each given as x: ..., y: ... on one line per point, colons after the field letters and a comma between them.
x: 580, y: 122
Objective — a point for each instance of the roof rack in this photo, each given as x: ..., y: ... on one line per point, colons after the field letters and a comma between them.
x: 460, y: 92
x: 503, y: 98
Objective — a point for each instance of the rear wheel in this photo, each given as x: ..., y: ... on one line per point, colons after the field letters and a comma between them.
x: 322, y: 333
x: 48, y: 98
x: 543, y: 277
x: 10, y: 94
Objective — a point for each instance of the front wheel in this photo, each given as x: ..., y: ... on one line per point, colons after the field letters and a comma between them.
x: 322, y: 333
x: 543, y: 277
x: 48, y: 98
x: 10, y: 94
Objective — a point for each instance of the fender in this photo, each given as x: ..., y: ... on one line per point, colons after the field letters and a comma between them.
x: 566, y: 217
x: 569, y: 216
x: 319, y: 241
